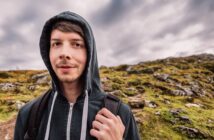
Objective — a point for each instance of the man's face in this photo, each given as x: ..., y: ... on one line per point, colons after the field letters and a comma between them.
x: 68, y: 55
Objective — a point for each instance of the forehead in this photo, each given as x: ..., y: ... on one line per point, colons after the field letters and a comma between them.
x: 57, y: 34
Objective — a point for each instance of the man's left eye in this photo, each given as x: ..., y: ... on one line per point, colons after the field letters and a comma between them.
x: 78, y: 45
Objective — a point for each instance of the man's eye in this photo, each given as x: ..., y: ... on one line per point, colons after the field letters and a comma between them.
x: 77, y: 45
x: 55, y: 44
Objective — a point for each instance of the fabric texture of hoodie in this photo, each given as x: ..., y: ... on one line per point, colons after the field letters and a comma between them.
x: 65, y: 121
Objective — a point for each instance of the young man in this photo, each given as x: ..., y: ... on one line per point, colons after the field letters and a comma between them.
x: 75, y: 109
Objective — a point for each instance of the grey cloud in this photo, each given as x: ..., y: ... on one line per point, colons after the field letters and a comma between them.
x: 113, y: 12
x: 119, y: 23
x: 196, y: 11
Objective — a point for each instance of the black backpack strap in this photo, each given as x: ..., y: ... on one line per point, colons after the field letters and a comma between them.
x: 112, y: 103
x: 35, y: 116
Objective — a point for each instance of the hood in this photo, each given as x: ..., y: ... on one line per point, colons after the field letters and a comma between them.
x: 91, y: 74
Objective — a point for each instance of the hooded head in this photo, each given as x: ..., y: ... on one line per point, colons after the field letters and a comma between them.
x: 90, y: 75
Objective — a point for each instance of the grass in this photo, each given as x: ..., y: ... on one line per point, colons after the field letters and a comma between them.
x: 141, y: 80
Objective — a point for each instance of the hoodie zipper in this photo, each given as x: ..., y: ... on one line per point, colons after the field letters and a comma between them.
x: 69, y: 121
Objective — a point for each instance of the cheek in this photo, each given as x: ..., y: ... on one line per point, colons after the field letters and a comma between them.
x: 52, y: 58
x: 84, y: 58
x: 80, y: 57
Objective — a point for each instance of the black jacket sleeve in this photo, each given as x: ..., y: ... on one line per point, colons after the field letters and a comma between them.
x: 21, y: 121
x: 19, y: 130
x: 131, y: 130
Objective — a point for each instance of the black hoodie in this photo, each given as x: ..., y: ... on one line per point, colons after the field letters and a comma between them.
x: 64, y: 121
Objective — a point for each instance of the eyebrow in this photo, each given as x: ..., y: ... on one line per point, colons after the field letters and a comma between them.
x: 55, y: 39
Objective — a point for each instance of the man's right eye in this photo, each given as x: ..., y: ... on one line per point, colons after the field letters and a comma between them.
x: 55, y: 44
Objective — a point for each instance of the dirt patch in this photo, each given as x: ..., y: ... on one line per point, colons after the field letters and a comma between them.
x: 7, y: 129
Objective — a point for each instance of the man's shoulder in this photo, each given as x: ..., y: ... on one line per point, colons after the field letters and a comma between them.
x: 27, y: 107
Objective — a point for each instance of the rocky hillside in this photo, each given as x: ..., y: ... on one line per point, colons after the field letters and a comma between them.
x: 171, y: 98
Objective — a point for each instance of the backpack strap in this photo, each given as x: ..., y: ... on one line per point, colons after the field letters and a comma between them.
x: 112, y: 103
x: 36, y: 116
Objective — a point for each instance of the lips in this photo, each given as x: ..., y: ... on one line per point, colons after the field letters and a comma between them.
x: 65, y: 67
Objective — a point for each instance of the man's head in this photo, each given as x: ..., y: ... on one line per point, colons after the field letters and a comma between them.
x: 68, y: 53
x: 90, y: 77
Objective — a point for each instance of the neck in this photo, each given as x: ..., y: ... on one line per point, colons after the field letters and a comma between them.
x: 71, y: 90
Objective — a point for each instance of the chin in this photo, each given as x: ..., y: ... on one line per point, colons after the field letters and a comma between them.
x: 68, y: 79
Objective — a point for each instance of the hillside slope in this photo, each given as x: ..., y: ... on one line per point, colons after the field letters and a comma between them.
x: 171, y: 98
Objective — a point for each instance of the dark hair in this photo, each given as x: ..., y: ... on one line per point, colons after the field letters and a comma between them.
x: 66, y: 26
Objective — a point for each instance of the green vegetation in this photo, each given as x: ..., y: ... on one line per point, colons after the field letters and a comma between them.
x: 177, y: 93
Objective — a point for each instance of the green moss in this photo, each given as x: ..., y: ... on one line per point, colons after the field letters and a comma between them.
x: 134, y: 82
x: 122, y: 67
x: 129, y: 91
x: 116, y: 86
x: 154, y: 128
x: 4, y: 75
x: 118, y: 80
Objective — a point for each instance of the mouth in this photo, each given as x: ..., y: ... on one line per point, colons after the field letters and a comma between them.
x: 66, y: 68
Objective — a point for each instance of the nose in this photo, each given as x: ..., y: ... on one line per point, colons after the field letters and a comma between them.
x: 64, y: 56
x: 65, y: 53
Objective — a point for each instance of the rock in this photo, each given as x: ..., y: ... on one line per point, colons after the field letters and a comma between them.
x: 190, y: 132
x: 8, y: 86
x: 210, y: 79
x: 188, y: 91
x: 138, y: 118
x: 136, y: 101
x: 147, y: 84
x: 157, y: 113
x: 182, y: 91
x: 32, y: 87
x: 133, y: 72
x: 166, y: 101
x: 210, y: 121
x: 193, y: 105
x: 148, y: 70
x: 129, y: 68
x: 176, y: 111
x: 185, y: 119
x: 178, y: 93
x: 161, y: 77
x: 41, y: 78
x: 150, y: 104
x: 118, y: 93
x: 196, y: 89
x: 19, y: 104
x: 123, y: 67
x: 140, y: 89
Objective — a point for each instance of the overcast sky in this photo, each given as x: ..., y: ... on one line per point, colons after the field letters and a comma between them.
x: 126, y: 31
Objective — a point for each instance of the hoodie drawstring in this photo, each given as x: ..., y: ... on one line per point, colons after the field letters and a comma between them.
x: 84, y: 117
x: 49, y: 117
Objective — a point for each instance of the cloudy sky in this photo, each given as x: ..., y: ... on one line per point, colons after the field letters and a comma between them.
x: 126, y: 31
